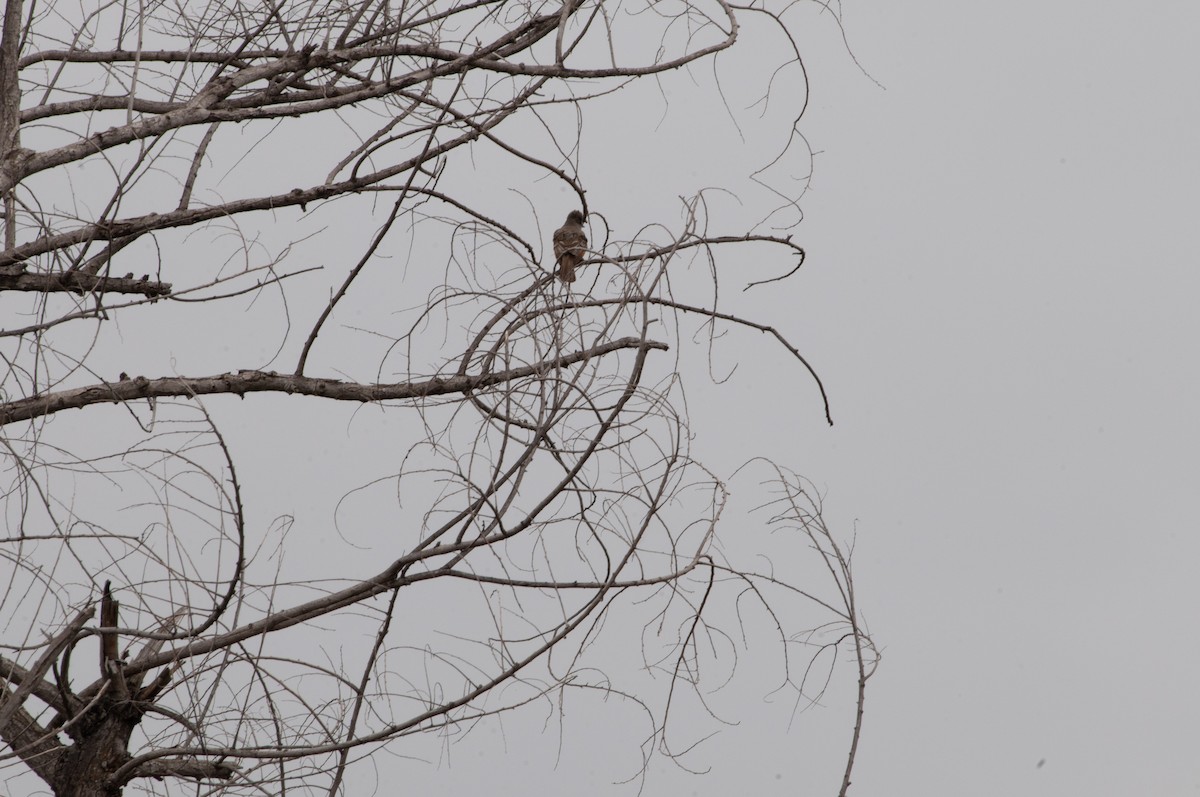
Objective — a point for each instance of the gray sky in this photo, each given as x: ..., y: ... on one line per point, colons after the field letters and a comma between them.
x: 998, y: 299
x: 1002, y: 306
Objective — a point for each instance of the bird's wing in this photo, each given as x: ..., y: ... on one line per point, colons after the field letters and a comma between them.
x: 569, y: 239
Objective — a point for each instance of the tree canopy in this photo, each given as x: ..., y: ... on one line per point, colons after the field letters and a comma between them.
x: 468, y: 488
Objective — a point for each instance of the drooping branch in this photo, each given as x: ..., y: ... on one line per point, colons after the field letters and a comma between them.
x: 389, y: 580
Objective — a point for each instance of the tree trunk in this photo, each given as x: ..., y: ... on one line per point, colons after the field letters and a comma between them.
x: 10, y: 106
x: 85, y: 768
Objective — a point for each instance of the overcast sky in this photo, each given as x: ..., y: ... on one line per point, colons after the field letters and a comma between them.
x: 998, y: 299
x: 1003, y: 304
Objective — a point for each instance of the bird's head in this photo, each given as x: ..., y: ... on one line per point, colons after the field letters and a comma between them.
x: 575, y: 217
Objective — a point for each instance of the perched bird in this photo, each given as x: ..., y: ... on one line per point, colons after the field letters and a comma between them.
x: 569, y: 246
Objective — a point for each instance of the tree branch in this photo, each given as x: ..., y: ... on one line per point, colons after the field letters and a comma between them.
x: 183, y: 768
x: 212, y: 103
x: 29, y: 740
x: 138, y: 225
x: 16, y: 674
x: 42, y: 665
x: 78, y: 282
x: 245, y: 382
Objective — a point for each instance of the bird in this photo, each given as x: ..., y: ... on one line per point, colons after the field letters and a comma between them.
x: 569, y: 245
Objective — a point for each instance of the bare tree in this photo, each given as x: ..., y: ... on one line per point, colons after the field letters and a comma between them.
x: 209, y: 189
